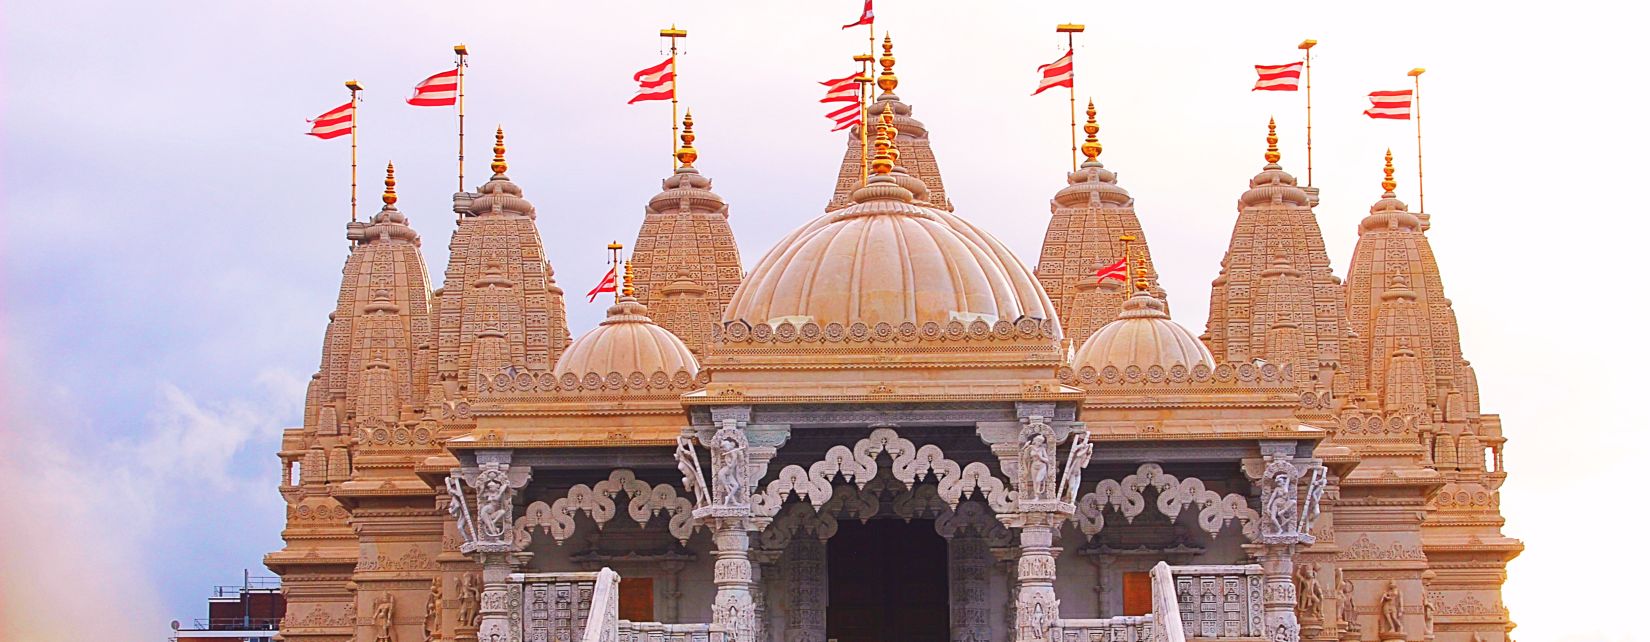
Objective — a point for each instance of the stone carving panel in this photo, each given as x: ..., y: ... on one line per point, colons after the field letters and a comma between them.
x: 1173, y: 496
x: 599, y: 502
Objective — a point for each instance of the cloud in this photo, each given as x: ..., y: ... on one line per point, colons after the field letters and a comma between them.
x: 93, y: 532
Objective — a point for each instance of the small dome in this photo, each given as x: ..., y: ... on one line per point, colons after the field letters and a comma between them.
x: 1142, y: 336
x: 627, y: 342
x: 889, y: 259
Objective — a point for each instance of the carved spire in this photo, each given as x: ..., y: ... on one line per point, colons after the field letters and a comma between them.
x: 1091, y: 145
x: 686, y: 154
x: 913, y: 151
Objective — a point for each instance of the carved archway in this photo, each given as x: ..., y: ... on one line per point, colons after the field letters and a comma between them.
x: 598, y: 502
x: 858, y: 465
x: 1173, y: 496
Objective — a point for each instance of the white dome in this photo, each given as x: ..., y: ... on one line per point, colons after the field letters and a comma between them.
x: 627, y: 342
x: 1142, y: 336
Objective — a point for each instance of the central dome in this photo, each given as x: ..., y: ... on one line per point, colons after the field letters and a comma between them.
x: 888, y: 259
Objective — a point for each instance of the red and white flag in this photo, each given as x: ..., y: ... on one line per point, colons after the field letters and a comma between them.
x: 1055, y: 74
x: 1118, y: 270
x: 440, y: 90
x: 1389, y: 104
x: 334, y: 123
x: 844, y: 118
x: 657, y: 83
x: 841, y: 90
x: 610, y: 283
x: 865, y: 17
x: 1278, y: 77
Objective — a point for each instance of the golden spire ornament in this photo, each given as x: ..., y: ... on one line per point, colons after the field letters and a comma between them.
x: 1272, y: 155
x: 389, y: 185
x: 887, y: 124
x: 1388, y: 184
x: 629, y: 282
x: 498, y: 152
x: 686, y: 154
x: 1091, y: 145
x: 887, y: 80
x: 882, y: 163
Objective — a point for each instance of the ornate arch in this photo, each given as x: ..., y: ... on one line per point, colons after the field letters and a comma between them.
x: 1173, y: 496
x: 859, y: 466
x: 598, y: 502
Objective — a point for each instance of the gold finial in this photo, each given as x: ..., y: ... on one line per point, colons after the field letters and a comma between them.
x: 389, y: 184
x: 686, y: 154
x: 1091, y: 145
x: 1272, y: 155
x: 882, y: 163
x: 498, y: 152
x: 1388, y: 184
x: 1140, y: 272
x: 629, y: 285
x: 887, y: 122
x: 887, y: 80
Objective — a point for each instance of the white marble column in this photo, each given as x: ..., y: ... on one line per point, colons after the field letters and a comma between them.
x: 806, y: 574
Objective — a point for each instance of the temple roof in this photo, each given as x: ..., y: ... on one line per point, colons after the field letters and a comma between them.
x: 1143, y: 336
x: 626, y: 342
x: 911, y: 140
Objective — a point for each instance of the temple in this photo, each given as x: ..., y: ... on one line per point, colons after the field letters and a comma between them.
x: 891, y: 428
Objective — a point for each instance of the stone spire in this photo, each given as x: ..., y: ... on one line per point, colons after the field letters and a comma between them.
x: 1090, y: 217
x: 1414, y: 403
x: 912, y: 140
x: 374, y: 368
x: 500, y: 306
x: 1275, y: 298
x: 686, y: 263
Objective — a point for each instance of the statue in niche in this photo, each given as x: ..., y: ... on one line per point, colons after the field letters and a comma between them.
x: 1279, y: 501
x: 1392, y: 610
x: 730, y: 457
x: 493, y: 496
x: 1344, y: 595
x: 1081, y: 451
x: 693, y: 478
x: 1037, y: 462
x: 1429, y: 615
x: 469, y: 601
x: 432, y: 612
x: 383, y: 616
x: 459, y: 509
x: 1308, y: 593
x: 1312, y: 509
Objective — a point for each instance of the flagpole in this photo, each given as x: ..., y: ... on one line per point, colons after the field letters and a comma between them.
x: 615, y: 247
x: 865, y: 121
x: 864, y: 81
x: 354, y: 118
x: 675, y: 86
x: 1071, y: 48
x: 1420, y: 184
x: 1306, y: 49
x: 463, y: 53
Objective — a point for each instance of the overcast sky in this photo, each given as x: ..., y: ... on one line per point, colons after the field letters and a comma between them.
x: 172, y: 241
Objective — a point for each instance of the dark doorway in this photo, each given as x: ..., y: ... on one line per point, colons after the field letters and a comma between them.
x: 887, y: 582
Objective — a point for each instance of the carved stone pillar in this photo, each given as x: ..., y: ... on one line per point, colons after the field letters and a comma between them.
x: 1036, y: 607
x: 1026, y: 453
x: 490, y: 537
x: 731, y: 520
x: 1286, y: 522
x: 969, y: 532
x: 807, y: 590
x: 1277, y: 561
x: 734, y: 607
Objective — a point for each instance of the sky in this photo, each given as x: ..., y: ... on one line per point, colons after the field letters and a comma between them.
x: 172, y: 241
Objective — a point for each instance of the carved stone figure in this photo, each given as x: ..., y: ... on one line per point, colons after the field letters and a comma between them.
x: 693, y: 478
x: 1072, y: 479
x: 731, y: 460
x: 459, y: 509
x: 469, y: 601
x: 432, y: 612
x: 1036, y: 467
x: 1279, y: 502
x: 493, y: 494
x: 1308, y: 593
x: 1344, y: 596
x: 383, y: 616
x: 1429, y: 615
x: 1392, y: 610
x: 1311, y: 509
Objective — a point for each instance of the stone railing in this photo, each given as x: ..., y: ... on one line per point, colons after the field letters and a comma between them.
x: 604, y: 625
x: 1123, y: 628
x: 1218, y: 601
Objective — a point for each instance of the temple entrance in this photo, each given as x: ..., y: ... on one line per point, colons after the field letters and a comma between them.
x: 887, y: 582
